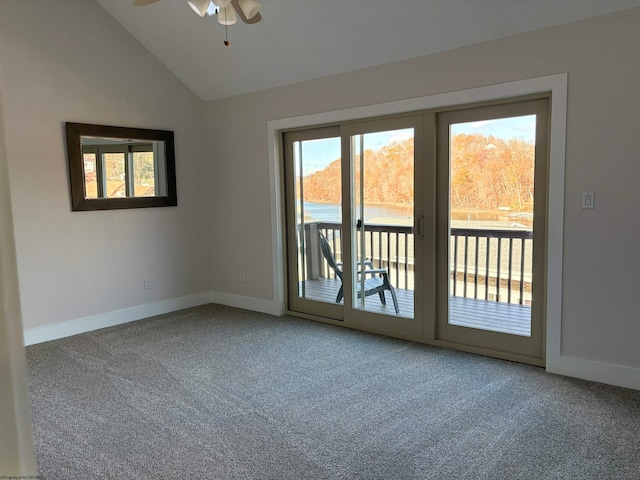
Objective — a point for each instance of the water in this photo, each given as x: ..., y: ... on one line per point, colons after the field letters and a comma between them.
x: 331, y: 212
x: 403, y: 215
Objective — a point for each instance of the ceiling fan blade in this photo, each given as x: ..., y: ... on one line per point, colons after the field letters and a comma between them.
x: 144, y: 3
x: 255, y: 19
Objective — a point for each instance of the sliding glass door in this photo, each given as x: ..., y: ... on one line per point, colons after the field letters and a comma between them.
x: 430, y: 227
x: 314, y: 221
x: 384, y: 208
x: 351, y: 210
x: 492, y: 224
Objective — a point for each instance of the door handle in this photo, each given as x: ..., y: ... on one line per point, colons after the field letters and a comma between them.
x: 418, y: 227
x: 359, y: 223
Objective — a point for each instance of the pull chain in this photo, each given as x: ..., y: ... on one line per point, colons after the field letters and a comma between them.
x: 226, y: 30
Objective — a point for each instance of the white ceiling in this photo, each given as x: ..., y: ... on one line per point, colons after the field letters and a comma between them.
x: 301, y: 40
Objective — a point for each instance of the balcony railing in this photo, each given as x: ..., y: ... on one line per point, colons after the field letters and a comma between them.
x: 484, y: 264
x: 493, y: 264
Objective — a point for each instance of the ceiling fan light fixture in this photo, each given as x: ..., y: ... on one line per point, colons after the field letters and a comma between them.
x: 227, y: 16
x: 222, y: 3
x: 199, y: 6
x: 250, y: 8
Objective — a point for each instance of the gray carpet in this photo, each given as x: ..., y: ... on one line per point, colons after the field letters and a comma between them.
x: 220, y: 393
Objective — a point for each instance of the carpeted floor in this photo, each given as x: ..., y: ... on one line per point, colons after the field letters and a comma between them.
x: 220, y: 393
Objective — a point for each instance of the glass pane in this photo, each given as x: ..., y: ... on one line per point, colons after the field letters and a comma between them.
x: 143, y: 174
x: 114, y: 166
x: 90, y: 175
x: 491, y: 224
x: 383, y: 213
x: 318, y: 214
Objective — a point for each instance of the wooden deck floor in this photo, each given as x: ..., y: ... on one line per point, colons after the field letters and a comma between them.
x: 465, y: 312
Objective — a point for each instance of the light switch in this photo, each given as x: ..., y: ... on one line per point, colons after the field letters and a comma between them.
x: 588, y: 200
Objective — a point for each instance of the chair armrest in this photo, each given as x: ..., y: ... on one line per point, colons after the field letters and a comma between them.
x: 375, y: 270
x: 367, y: 263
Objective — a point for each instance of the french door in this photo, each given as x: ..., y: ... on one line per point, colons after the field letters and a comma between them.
x: 429, y: 227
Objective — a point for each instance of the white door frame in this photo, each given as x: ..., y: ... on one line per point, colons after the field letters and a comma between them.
x: 555, y: 84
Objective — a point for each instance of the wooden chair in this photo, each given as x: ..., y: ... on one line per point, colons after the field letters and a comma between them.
x: 376, y: 279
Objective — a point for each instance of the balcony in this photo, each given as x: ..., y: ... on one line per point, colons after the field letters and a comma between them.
x: 489, y: 275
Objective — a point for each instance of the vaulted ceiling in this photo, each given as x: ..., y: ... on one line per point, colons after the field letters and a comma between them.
x: 300, y: 40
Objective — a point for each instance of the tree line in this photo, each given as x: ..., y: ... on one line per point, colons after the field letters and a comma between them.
x: 486, y: 173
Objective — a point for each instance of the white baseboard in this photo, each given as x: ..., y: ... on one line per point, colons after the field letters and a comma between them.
x: 248, y: 303
x: 618, y: 375
x: 110, y: 319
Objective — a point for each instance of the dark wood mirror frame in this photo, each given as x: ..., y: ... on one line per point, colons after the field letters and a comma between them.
x: 79, y: 200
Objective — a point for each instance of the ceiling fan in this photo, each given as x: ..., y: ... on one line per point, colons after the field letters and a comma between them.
x: 247, y: 10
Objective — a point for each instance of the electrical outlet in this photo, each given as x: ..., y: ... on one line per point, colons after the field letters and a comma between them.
x: 147, y: 283
x: 243, y: 278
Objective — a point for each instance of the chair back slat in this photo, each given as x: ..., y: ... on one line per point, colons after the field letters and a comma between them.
x: 328, y: 254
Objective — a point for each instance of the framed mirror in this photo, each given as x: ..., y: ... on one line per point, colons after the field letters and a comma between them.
x: 120, y: 167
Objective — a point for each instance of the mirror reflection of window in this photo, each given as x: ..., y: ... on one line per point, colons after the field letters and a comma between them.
x: 115, y: 179
x: 90, y: 175
x: 115, y: 168
x: 144, y: 171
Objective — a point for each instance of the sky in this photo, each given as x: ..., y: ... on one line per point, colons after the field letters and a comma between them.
x: 505, y: 128
x: 318, y: 154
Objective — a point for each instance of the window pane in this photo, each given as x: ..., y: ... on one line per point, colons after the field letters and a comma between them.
x: 143, y: 174
x: 115, y: 175
x: 318, y: 219
x: 383, y: 213
x: 491, y: 195
x: 90, y: 176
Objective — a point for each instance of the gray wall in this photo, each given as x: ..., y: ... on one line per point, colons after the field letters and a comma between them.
x: 601, y: 256
x: 69, y: 60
